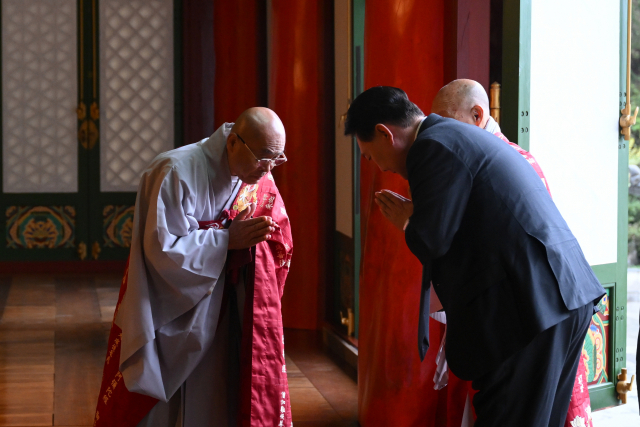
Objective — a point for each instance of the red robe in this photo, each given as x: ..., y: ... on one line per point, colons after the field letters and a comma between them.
x: 264, y: 391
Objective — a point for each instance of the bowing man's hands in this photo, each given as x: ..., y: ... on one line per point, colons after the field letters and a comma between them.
x: 245, y: 232
x: 394, y: 207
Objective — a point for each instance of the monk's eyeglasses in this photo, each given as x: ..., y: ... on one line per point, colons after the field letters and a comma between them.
x: 271, y: 163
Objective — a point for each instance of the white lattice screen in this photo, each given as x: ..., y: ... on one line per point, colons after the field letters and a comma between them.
x: 136, y: 88
x: 39, y: 96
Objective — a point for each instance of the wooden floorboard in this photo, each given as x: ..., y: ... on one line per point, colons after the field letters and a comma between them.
x: 336, y: 387
x: 53, y: 339
x: 79, y: 357
x: 76, y: 301
x: 27, y: 340
x: 5, y: 286
x: 32, y: 291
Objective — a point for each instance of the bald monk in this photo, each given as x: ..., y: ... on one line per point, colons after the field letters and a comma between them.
x: 197, y: 334
x: 466, y: 101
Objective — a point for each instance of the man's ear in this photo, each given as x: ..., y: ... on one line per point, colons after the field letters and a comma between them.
x: 386, y: 132
x: 478, y: 115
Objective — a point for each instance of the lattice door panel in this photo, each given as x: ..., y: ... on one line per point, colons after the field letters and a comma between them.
x: 136, y: 88
x: 87, y: 103
x: 39, y: 96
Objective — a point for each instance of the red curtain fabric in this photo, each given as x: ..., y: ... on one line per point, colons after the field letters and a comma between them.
x: 239, y: 34
x: 403, y: 48
x: 301, y: 93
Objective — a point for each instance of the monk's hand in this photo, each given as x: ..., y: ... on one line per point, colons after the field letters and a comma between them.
x: 394, y: 207
x: 245, y: 232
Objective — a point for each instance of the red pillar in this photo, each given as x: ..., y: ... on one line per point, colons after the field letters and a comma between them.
x: 403, y: 48
x: 239, y: 34
x: 301, y: 93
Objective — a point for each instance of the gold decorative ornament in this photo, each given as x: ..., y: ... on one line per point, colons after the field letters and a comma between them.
x: 94, y: 111
x: 95, y: 250
x: 82, y: 250
x: 623, y: 387
x: 88, y: 134
x: 494, y: 103
x: 627, y: 120
x: 81, y: 111
x: 350, y: 321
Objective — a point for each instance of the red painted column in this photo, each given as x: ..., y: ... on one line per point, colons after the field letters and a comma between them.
x: 301, y: 93
x: 240, y: 42
x: 403, y: 48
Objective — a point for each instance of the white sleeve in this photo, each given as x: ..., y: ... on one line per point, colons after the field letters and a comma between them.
x: 176, y: 238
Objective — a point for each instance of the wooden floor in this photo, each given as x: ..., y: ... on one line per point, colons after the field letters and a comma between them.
x: 53, y: 337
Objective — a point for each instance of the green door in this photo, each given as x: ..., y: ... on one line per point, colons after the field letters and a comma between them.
x: 87, y: 102
x: 564, y: 84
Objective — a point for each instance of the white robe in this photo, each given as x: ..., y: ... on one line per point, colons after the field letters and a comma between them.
x: 170, y: 311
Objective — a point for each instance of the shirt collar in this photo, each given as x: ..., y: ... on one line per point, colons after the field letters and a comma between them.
x: 418, y: 129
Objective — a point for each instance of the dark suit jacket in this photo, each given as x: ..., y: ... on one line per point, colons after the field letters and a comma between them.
x: 502, y: 259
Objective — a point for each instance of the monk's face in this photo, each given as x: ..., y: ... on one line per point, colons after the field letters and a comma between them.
x: 249, y: 154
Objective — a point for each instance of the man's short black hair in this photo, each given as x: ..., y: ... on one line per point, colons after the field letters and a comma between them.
x: 380, y: 104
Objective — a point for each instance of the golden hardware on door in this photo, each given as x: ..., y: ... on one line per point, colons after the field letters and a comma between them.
x: 82, y: 250
x: 342, y: 119
x: 627, y: 120
x: 94, y: 111
x: 344, y: 116
x: 95, y: 250
x: 81, y: 111
x: 494, y: 94
x: 623, y: 386
x: 350, y: 321
x: 88, y: 134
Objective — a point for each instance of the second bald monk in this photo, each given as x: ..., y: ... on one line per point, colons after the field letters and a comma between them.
x: 197, y: 336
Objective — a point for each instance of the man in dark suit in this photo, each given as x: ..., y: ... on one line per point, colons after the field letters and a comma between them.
x: 516, y: 288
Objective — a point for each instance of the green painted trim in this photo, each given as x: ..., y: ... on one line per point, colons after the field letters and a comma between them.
x: 603, y: 396
x: 91, y: 169
x: 619, y: 324
x: 517, y: 46
x: 516, y: 71
x: 510, y: 68
x: 606, y: 273
x: 524, y: 81
x: 358, y: 16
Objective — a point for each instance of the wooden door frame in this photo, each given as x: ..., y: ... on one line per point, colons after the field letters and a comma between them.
x: 516, y: 74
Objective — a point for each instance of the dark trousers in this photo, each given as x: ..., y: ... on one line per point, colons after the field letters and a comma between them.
x: 533, y: 387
